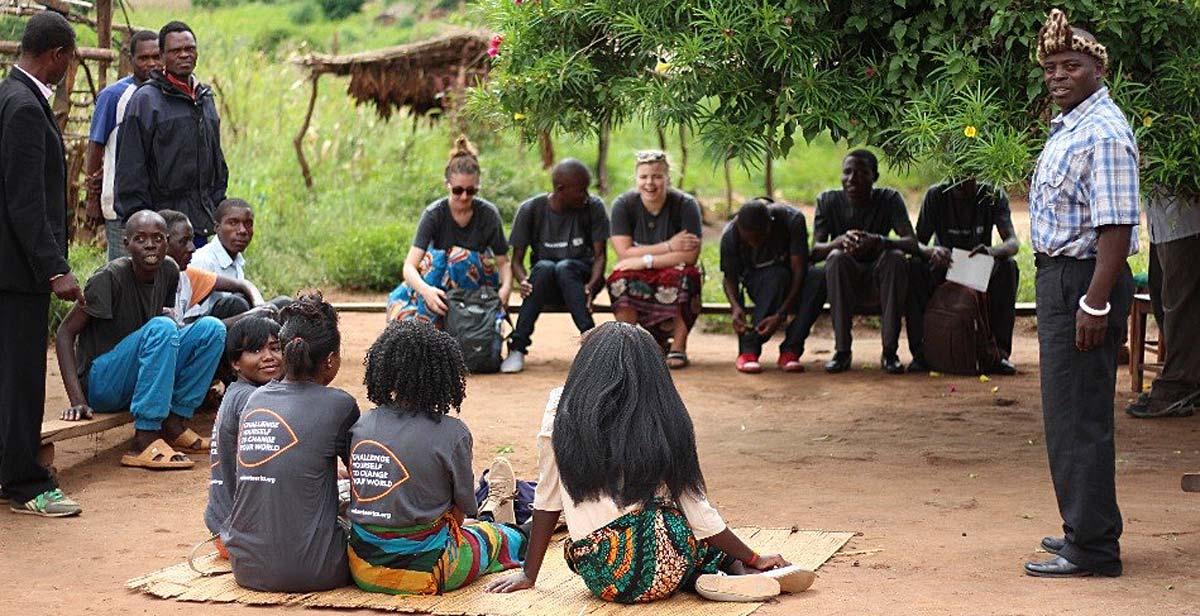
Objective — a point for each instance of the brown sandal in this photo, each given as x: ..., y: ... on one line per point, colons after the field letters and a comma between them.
x: 158, y: 456
x: 190, y: 442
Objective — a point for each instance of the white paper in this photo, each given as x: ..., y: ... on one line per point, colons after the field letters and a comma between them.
x: 970, y: 271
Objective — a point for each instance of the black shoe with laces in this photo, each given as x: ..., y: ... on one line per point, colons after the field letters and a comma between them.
x: 891, y: 364
x: 839, y: 363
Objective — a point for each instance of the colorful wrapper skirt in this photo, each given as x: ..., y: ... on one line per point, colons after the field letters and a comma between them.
x: 456, y: 268
x: 658, y: 295
x: 431, y: 559
x: 642, y: 556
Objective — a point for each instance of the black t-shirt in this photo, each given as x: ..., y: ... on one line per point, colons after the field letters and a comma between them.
x: 438, y: 229
x: 119, y: 305
x: 680, y: 213
x: 787, y: 237
x: 554, y: 236
x: 835, y: 216
x: 962, y: 227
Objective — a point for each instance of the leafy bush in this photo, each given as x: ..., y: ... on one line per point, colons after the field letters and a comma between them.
x: 268, y: 41
x: 368, y: 258
x: 85, y: 259
x: 304, y: 13
x: 340, y: 9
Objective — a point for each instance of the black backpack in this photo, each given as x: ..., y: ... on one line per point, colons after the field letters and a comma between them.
x: 473, y: 318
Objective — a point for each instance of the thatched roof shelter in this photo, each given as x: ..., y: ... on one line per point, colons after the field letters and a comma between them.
x: 418, y: 76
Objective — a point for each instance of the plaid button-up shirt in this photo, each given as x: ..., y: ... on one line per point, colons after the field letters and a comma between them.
x: 1086, y: 178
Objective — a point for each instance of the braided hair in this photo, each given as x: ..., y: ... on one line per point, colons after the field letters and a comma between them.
x: 309, y: 335
x: 464, y: 158
x: 417, y: 368
x: 621, y: 429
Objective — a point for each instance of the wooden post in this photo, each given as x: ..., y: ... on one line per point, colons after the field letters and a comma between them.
x: 728, y: 185
x: 103, y: 37
x: 62, y: 95
x: 769, y: 179
x: 602, y: 160
x: 298, y: 142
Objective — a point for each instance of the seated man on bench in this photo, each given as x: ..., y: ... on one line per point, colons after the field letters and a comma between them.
x: 197, y: 285
x: 962, y: 215
x: 122, y: 350
x: 566, y: 230
x: 863, y: 265
x: 764, y: 250
x: 224, y: 257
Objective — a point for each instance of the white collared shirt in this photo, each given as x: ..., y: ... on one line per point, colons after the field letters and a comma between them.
x: 45, y: 89
x: 214, y: 258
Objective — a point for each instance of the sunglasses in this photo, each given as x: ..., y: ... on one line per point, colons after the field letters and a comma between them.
x: 650, y: 156
x: 470, y: 190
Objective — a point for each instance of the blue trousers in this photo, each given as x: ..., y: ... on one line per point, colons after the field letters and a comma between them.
x: 158, y: 370
x: 553, y: 282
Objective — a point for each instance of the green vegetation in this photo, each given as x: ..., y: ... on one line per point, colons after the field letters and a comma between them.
x: 373, y: 178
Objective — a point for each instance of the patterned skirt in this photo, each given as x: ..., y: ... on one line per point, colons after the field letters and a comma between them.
x: 658, y: 295
x: 431, y: 559
x: 456, y: 268
x: 642, y: 556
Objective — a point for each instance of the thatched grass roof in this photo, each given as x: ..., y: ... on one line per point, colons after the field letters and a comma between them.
x: 417, y: 76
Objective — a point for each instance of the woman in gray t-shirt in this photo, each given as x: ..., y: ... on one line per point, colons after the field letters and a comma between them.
x: 410, y: 473
x: 283, y: 533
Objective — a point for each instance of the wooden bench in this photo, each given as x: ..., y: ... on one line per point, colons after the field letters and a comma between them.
x: 1024, y: 309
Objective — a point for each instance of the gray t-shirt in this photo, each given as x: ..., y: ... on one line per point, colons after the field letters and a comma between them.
x: 630, y: 218
x: 408, y: 469
x: 438, y: 229
x: 223, y: 458
x: 283, y: 533
x: 553, y: 236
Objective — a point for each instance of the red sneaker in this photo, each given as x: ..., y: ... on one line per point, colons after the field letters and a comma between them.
x: 790, y: 362
x: 748, y: 363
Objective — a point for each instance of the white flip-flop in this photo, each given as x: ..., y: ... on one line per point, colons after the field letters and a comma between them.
x: 736, y: 588
x: 792, y: 579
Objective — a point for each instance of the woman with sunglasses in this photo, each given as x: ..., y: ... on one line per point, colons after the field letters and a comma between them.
x: 459, y: 243
x: 656, y: 235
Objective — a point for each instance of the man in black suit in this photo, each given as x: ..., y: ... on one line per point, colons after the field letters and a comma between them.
x: 33, y: 258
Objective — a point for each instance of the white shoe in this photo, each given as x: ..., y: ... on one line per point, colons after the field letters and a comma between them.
x: 792, y: 579
x: 736, y: 588
x: 502, y: 493
x: 514, y: 363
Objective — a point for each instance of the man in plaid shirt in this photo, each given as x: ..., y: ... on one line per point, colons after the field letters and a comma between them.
x: 1083, y: 207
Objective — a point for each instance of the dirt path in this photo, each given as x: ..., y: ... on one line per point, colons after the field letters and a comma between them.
x: 950, y: 490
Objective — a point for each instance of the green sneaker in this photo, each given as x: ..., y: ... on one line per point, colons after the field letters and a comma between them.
x: 49, y: 504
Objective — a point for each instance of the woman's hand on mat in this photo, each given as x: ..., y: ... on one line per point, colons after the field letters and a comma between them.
x: 79, y: 412
x: 517, y: 580
x: 766, y: 562
x: 683, y: 242
x: 435, y: 300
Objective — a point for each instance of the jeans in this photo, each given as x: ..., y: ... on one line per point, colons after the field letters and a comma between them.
x: 553, y: 282
x: 157, y: 370
x: 768, y: 288
x: 114, y: 232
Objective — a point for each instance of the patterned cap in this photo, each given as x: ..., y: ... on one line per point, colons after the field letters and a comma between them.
x: 1057, y: 36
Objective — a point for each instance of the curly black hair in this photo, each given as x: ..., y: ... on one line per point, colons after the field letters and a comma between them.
x: 415, y: 367
x: 308, y: 336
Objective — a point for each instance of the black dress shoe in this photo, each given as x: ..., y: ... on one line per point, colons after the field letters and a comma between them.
x: 1053, y: 544
x: 918, y: 365
x: 1057, y: 567
x: 1005, y: 368
x: 839, y: 363
x: 891, y: 364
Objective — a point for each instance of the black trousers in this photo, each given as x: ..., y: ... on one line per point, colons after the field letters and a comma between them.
x: 1180, y: 321
x: 1002, y: 302
x: 232, y: 304
x: 852, y: 283
x: 553, y: 282
x: 24, y: 318
x: 1077, y: 408
x: 767, y: 288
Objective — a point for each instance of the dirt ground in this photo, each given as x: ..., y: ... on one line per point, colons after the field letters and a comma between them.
x: 946, y: 484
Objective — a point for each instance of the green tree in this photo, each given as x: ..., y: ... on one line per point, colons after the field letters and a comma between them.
x: 952, y: 82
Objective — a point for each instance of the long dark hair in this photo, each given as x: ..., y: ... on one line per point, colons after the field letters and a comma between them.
x: 309, y: 335
x: 415, y: 367
x: 622, y: 429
